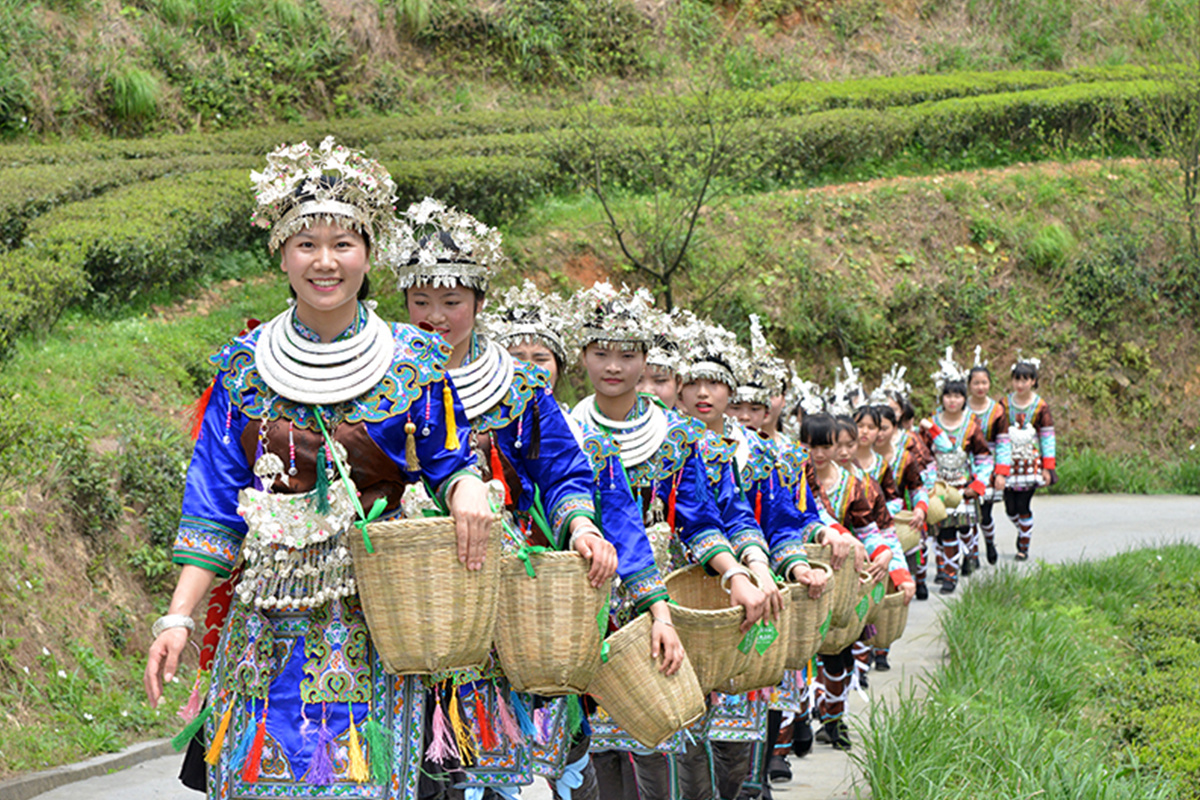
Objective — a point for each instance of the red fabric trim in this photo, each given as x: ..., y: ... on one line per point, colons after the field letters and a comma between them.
x: 1049, y: 463
x: 978, y: 487
x: 900, y: 576
x: 923, y: 506
x: 840, y: 528
x: 1003, y: 469
x: 883, y: 548
x: 199, y: 408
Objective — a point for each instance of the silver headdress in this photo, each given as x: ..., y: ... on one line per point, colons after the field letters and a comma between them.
x: 847, y: 393
x: 764, y: 375
x: 979, y: 362
x: 891, y: 383
x: 664, y: 346
x: 805, y: 395
x: 948, y: 370
x: 333, y: 184
x: 441, y: 246
x: 1036, y: 363
x: 525, y: 314
x: 616, y: 317
x: 708, y: 351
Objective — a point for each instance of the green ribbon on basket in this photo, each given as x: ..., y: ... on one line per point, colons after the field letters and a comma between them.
x: 364, y: 519
x: 878, y: 592
x: 602, y: 625
x: 526, y: 551
x: 863, y: 606
x: 824, y: 629
x: 760, y: 636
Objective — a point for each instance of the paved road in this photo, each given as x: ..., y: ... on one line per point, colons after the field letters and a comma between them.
x: 1068, y: 528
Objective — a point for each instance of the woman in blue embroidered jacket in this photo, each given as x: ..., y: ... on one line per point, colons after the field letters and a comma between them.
x: 305, y: 430
x: 660, y: 453
x: 531, y: 325
x: 519, y: 431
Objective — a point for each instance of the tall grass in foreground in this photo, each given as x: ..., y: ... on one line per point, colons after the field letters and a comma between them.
x: 1021, y: 707
x: 1092, y: 471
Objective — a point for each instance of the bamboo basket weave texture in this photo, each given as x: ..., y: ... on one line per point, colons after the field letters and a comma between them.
x: 426, y: 611
x: 808, y: 616
x: 910, y: 537
x: 649, y: 705
x: 839, y: 637
x: 547, y: 635
x: 767, y: 668
x: 890, y: 621
x: 845, y: 587
x: 708, y: 626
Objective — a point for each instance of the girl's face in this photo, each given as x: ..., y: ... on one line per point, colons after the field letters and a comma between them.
x: 821, y: 454
x: 886, y: 431
x: 845, y: 447
x: 662, y: 383
x: 953, y: 403
x: 1023, y: 385
x: 613, y: 373
x: 868, y: 432
x: 705, y: 400
x: 980, y: 385
x: 325, y: 264
x: 892, y: 404
x: 449, y: 312
x: 752, y: 415
x: 774, y: 410
x: 539, y: 355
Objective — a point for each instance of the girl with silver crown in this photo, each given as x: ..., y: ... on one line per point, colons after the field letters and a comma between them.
x: 994, y: 424
x: 660, y: 452
x: 964, y: 465
x: 307, y: 430
x: 533, y: 326
x: 443, y: 261
x: 1034, y: 448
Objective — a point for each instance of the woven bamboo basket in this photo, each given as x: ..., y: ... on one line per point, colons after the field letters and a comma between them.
x: 950, y: 496
x: 708, y: 626
x: 649, y: 705
x: 910, y: 537
x: 808, y: 616
x: 873, y: 608
x: 547, y: 634
x: 426, y: 612
x: 839, y: 637
x: 844, y: 586
x: 937, y: 511
x: 767, y: 668
x: 890, y: 620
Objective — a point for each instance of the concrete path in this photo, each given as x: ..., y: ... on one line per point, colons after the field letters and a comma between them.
x: 1068, y: 528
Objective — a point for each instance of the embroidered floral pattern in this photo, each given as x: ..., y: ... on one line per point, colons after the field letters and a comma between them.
x: 203, y: 543
x: 526, y: 381
x: 335, y: 651
x: 251, y: 650
x: 671, y: 455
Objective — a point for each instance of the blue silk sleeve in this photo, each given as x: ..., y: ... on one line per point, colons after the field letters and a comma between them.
x: 698, y: 522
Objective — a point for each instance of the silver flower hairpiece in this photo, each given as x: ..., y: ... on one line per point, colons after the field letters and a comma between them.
x: 708, y: 350
x: 442, y: 246
x: 948, y: 370
x: 524, y: 314
x: 620, y: 317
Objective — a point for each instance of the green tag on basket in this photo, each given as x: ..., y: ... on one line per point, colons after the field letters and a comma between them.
x: 824, y: 629
x: 525, y: 551
x: 878, y: 592
x: 747, y: 643
x: 861, y: 608
x: 767, y: 635
x: 602, y: 624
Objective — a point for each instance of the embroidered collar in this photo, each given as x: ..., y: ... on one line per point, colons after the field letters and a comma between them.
x: 638, y: 436
x: 485, y: 380
x: 322, y: 373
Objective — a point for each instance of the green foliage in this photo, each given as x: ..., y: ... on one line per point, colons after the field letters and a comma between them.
x: 152, y: 465
x: 1019, y: 706
x: 1051, y: 247
x: 135, y: 94
x: 91, y: 487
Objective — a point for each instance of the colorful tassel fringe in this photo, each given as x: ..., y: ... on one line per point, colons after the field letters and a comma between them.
x: 379, y: 748
x: 442, y: 745
x: 523, y: 718
x: 452, y: 442
x: 411, y: 462
x: 462, y: 735
x: 254, y: 757
x: 487, y: 734
x: 508, y: 724
x: 320, y: 769
x: 357, y: 770
x: 498, y: 472
x: 574, y: 716
x: 213, y: 755
x: 184, y: 736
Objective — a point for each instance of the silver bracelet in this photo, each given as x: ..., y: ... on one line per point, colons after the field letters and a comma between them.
x: 587, y: 528
x: 730, y: 573
x: 755, y: 556
x: 663, y: 622
x: 171, y: 621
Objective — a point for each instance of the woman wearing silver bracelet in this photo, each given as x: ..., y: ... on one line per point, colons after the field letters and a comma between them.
x: 310, y: 425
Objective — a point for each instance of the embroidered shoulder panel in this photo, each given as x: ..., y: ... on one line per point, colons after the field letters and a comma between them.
x: 527, y: 379
x: 716, y: 452
x: 791, y: 463
x: 764, y: 458
x: 600, y: 446
x: 671, y: 455
x: 419, y: 360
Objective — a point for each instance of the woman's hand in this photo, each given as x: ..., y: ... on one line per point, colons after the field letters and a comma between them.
x: 592, y: 546
x: 768, y: 586
x: 814, y: 579
x: 664, y: 641
x: 999, y: 482
x: 878, y: 568
x: 163, y: 662
x: 839, y: 547
x: 910, y: 590
x: 468, y: 504
x: 743, y: 592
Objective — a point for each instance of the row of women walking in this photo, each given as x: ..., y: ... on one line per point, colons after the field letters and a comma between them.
x: 326, y: 418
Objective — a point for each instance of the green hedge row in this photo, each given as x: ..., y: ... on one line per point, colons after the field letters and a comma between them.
x: 145, y: 235
x: 783, y: 100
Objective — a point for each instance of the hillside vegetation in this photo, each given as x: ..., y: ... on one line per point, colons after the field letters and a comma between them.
x: 895, y: 177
